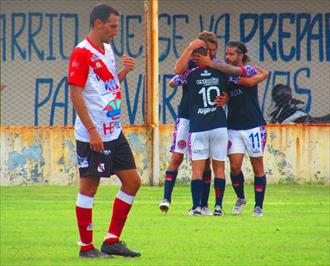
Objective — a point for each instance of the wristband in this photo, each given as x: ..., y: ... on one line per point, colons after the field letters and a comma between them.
x: 90, y: 129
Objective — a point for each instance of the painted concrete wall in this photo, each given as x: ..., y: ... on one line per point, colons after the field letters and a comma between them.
x: 46, y: 155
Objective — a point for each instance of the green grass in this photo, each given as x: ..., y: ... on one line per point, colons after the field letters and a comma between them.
x: 38, y: 227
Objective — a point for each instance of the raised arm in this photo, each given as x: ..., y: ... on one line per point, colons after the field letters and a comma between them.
x: 223, y: 67
x: 182, y: 63
x: 256, y: 79
x: 128, y: 65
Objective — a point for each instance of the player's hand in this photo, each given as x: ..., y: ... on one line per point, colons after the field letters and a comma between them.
x: 128, y: 63
x: 171, y: 83
x: 196, y: 44
x: 221, y: 100
x: 202, y: 60
x: 95, y: 141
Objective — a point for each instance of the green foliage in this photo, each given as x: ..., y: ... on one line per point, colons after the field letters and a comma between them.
x: 38, y: 227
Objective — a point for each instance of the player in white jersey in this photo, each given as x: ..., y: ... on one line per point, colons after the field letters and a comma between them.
x: 102, y: 149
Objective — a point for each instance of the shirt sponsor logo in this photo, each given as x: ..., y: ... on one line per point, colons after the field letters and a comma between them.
x: 205, y: 111
x: 113, y: 109
x: 211, y: 81
x: 235, y: 92
x: 205, y: 73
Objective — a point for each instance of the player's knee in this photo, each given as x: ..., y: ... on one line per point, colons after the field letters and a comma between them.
x: 175, y: 162
x: 235, y: 169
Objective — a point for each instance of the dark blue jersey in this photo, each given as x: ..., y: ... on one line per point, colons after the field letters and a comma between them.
x: 183, y: 108
x: 204, y: 84
x: 243, y: 107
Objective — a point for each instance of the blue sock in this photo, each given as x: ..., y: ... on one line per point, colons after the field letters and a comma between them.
x: 219, y: 186
x: 237, y: 182
x: 206, y: 188
x: 196, y: 192
x: 170, y: 177
x: 259, y: 190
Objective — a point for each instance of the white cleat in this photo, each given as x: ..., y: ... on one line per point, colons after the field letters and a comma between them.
x: 258, y: 212
x: 206, y: 211
x: 164, y: 205
x: 218, y: 211
x: 195, y: 212
x: 238, y: 207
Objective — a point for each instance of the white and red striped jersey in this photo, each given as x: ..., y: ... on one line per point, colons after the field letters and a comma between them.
x: 95, y: 71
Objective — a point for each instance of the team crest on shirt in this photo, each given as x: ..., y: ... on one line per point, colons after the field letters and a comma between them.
x: 100, y: 167
x: 182, y: 144
x: 113, y: 109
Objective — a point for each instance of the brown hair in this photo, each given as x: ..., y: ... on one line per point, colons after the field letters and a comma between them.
x: 240, y: 49
x: 208, y: 36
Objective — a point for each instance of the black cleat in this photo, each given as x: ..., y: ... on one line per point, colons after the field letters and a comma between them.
x: 118, y: 249
x: 93, y: 253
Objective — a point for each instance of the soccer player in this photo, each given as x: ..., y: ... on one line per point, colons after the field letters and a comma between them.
x: 181, y: 130
x: 208, y: 133
x: 246, y: 125
x: 102, y: 149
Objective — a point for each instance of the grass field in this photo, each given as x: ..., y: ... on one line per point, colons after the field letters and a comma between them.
x: 38, y: 227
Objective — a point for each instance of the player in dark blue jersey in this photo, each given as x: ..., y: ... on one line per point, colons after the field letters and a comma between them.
x: 208, y: 133
x: 246, y: 125
x: 181, y: 130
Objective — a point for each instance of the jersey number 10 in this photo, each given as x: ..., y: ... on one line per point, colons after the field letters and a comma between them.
x: 206, y: 93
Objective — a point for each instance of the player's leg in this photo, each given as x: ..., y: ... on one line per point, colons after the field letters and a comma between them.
x: 257, y: 138
x: 236, y: 150
x: 89, y: 181
x: 218, y: 151
x: 170, y: 178
x: 199, y: 153
x: 178, y: 149
x: 206, y: 189
x: 125, y: 168
x: 198, y: 167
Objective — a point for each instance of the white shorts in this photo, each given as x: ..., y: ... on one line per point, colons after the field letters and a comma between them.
x: 180, y: 136
x: 250, y: 141
x: 212, y: 143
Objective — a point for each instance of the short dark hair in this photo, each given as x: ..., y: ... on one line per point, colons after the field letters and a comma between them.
x: 240, y: 49
x: 102, y: 12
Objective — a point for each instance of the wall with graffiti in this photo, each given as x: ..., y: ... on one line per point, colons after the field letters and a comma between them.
x: 291, y: 39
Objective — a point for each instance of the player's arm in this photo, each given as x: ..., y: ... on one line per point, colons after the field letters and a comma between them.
x: 78, y: 102
x: 223, y: 67
x: 128, y: 65
x: 254, y: 80
x: 182, y: 63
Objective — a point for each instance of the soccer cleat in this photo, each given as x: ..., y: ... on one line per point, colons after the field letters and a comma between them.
x: 258, y: 212
x: 238, y: 207
x: 206, y: 211
x: 164, y: 205
x: 195, y: 212
x: 218, y: 211
x: 93, y: 253
x: 118, y: 249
